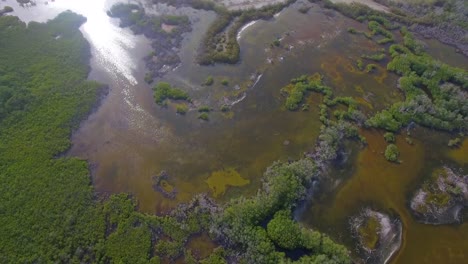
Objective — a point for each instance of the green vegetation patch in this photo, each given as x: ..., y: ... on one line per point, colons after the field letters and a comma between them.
x: 209, y: 81
x: 392, y: 153
x: 369, y: 232
x: 389, y: 137
x: 204, y: 109
x: 47, y: 211
x: 375, y: 57
x: 204, y: 116
x: 220, y: 180
x: 434, y: 92
x: 164, y: 90
x: 182, y: 109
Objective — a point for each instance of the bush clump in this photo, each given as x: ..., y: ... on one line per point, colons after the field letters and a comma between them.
x: 204, y: 109
x: 164, y: 90
x: 204, y: 116
x: 392, y: 153
x: 182, y: 109
x: 209, y: 81
x: 225, y: 108
x: 389, y: 137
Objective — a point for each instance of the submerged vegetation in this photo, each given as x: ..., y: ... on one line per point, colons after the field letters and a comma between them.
x: 369, y: 232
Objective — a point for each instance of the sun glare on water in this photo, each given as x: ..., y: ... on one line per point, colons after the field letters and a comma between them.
x: 112, y: 44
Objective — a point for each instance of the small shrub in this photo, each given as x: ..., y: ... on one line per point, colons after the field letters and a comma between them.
x: 225, y: 108
x: 225, y: 82
x: 360, y: 64
x: 209, y: 81
x: 164, y: 90
x: 370, y: 67
x: 392, y: 153
x: 182, y: 109
x: 389, y: 137
x: 204, y: 116
x: 352, y: 30
x: 276, y: 43
x: 204, y: 109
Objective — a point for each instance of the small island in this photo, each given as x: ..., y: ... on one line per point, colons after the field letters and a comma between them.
x: 441, y: 198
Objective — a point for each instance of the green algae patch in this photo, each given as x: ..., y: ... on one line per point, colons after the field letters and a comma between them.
x: 369, y: 232
x: 460, y: 154
x: 166, y: 186
x: 220, y: 180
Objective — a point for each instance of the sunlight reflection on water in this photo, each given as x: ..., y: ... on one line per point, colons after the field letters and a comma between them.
x: 111, y: 42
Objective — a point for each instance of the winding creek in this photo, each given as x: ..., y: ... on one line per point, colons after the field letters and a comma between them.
x: 128, y: 139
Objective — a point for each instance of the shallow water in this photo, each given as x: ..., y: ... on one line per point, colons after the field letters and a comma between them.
x: 372, y: 181
x: 256, y: 133
x: 129, y: 139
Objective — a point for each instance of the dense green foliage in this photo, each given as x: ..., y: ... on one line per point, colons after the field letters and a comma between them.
x: 435, y: 92
x: 164, y: 90
x: 392, y: 153
x: 284, y: 186
x: 46, y: 204
x: 47, y: 209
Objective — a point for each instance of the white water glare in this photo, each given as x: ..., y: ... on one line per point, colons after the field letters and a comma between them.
x: 112, y: 43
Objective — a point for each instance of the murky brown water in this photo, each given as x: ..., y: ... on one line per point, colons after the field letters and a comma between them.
x: 128, y: 139
x: 257, y: 133
x: 372, y: 181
